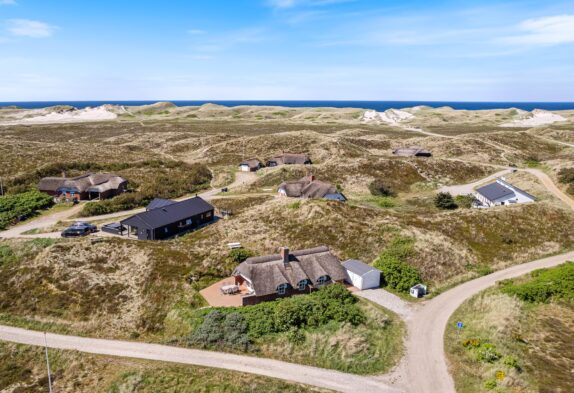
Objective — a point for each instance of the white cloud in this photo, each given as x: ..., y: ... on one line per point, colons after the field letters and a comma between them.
x: 549, y: 30
x: 196, y: 32
x: 30, y: 28
x: 7, y: 2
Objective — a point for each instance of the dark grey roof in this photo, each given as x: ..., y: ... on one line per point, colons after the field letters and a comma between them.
x: 159, y: 202
x: 494, y: 191
x: 358, y: 267
x: 337, y: 196
x: 266, y: 273
x: 162, y: 216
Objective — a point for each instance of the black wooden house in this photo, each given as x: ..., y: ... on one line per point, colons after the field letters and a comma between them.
x: 167, y: 221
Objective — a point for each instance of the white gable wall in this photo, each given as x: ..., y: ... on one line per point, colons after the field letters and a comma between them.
x: 369, y: 280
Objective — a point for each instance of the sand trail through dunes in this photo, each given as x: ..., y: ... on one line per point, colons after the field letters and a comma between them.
x: 537, y: 117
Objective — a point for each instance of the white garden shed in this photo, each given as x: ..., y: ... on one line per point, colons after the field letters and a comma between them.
x: 361, y: 275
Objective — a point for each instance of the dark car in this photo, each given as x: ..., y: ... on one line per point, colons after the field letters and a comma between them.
x: 115, y: 228
x: 224, y: 189
x: 76, y: 231
x: 82, y: 224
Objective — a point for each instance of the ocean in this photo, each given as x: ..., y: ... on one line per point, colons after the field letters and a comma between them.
x: 376, y: 105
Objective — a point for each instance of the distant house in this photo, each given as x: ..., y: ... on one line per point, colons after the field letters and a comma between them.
x: 86, y: 187
x: 170, y: 220
x: 288, y: 273
x: 362, y: 276
x: 289, y: 159
x: 250, y: 165
x: 412, y: 152
x: 309, y: 187
x: 501, y: 193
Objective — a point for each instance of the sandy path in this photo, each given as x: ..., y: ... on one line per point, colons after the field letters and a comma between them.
x: 328, y: 379
x: 42, y: 222
x: 550, y: 186
x: 425, y: 366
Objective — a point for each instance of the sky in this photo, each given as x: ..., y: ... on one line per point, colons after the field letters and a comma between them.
x: 286, y: 50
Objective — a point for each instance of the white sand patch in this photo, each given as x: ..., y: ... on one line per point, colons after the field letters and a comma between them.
x: 537, y: 117
x: 390, y: 116
x: 100, y: 113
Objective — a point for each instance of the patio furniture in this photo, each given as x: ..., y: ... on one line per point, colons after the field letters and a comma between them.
x: 230, y: 289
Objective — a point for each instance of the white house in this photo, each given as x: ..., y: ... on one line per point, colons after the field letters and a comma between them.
x: 501, y: 193
x: 361, y: 275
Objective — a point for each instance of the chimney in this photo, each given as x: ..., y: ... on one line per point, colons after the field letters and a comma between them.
x: 311, y: 177
x: 285, y: 255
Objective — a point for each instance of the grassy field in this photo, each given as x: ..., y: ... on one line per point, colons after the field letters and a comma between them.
x: 23, y: 369
x: 511, y: 345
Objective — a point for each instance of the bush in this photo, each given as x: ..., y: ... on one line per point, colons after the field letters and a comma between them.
x: 397, y: 273
x: 464, y: 201
x: 545, y: 284
x: 443, y: 200
x: 512, y: 362
x: 379, y: 188
x: 239, y: 255
x: 487, y: 353
x: 24, y: 204
x: 566, y: 175
x: 218, y: 329
x: 7, y: 256
x: 490, y: 384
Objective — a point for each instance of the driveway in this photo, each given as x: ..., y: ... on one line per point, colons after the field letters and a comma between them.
x: 389, y: 301
x: 465, y: 189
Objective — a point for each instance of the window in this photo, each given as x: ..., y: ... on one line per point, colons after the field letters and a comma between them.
x: 208, y: 214
x: 323, y: 280
x: 281, y: 289
x: 188, y: 221
x: 165, y: 230
x: 303, y: 284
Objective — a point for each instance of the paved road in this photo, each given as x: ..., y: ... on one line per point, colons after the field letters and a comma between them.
x: 271, y: 368
x: 425, y: 367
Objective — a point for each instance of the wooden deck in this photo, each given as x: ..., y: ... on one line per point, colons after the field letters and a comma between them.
x: 215, y: 298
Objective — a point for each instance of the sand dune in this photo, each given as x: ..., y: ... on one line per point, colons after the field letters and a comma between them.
x: 46, y: 116
x: 390, y: 116
x: 537, y: 117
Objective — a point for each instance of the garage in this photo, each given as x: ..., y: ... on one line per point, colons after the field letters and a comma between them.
x: 362, y: 276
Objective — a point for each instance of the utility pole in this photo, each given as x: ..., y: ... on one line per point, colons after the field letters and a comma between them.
x: 48, y: 363
x: 1, y: 187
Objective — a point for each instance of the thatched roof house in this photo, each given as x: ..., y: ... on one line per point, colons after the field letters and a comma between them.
x: 412, y: 152
x: 288, y: 273
x: 309, y: 187
x: 251, y: 165
x: 289, y: 159
x: 88, y: 186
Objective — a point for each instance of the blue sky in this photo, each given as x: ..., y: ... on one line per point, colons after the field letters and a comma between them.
x: 287, y: 49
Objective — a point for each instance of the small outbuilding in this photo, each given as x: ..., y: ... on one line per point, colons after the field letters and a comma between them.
x: 413, y: 151
x: 418, y: 290
x: 361, y: 275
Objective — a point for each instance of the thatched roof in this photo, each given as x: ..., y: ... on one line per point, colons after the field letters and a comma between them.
x: 98, y: 182
x: 291, y: 159
x: 266, y: 273
x: 252, y: 163
x: 307, y: 187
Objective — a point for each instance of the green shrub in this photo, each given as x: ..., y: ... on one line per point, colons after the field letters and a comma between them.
x: 397, y: 273
x: 444, y: 200
x: 487, y: 353
x: 464, y: 201
x: 294, y: 205
x: 239, y: 255
x: 566, y: 175
x: 512, y: 362
x: 544, y: 285
x: 380, y: 188
x: 296, y: 336
x: 219, y: 329
x: 24, y: 204
x: 490, y: 384
x: 7, y: 256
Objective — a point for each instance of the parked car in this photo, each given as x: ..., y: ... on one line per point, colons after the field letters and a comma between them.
x: 115, y: 228
x: 76, y: 231
x: 224, y: 189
